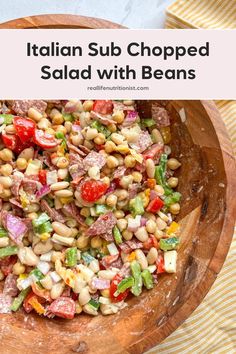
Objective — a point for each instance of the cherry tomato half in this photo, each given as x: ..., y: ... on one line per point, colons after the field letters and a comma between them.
x: 13, y: 142
x: 113, y: 287
x: 92, y: 190
x: 25, y: 128
x: 44, y: 140
x: 103, y: 106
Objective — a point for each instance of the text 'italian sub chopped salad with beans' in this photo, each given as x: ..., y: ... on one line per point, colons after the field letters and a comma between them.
x: 88, y: 203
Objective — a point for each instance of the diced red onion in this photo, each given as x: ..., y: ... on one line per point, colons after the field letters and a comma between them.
x: 76, y: 128
x: 143, y: 221
x: 130, y: 118
x: 55, y: 277
x: 51, y: 177
x: 111, y: 188
x: 43, y: 267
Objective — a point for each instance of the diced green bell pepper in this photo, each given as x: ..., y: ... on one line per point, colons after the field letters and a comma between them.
x: 173, y: 198
x: 44, y: 228
x: 8, y: 251
x: 7, y: 118
x: 117, y: 235
x: 100, y: 209
x: 89, y: 220
x: 168, y: 244
x: 18, y: 301
x: 138, y: 283
x: 68, y: 117
x: 3, y: 232
x: 148, y: 122
x: 147, y: 279
x: 136, y: 206
x: 71, y: 257
x: 100, y: 128
x: 93, y: 303
x: 37, y: 274
x: 40, y: 220
x: 125, y: 284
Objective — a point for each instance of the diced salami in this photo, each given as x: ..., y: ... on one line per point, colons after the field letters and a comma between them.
x: 74, y: 159
x: 161, y: 116
x: 107, y: 261
x: 125, y: 270
x: 10, y: 285
x: 6, y: 264
x: 76, y: 167
x: 16, y: 185
x: 119, y: 172
x: 130, y: 119
x: 54, y: 214
x: 14, y: 225
x: 84, y: 149
x: 5, y: 303
x: 101, y: 119
x: 120, y: 106
x: 62, y: 307
x: 144, y: 141
x: 103, y: 226
x: 75, y: 149
x: 133, y: 190
x: 73, y: 211
x: 21, y: 107
x: 30, y: 186
x: 131, y: 245
x: 15, y: 202
x: 94, y: 159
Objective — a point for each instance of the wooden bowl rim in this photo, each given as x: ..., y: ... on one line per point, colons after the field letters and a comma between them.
x: 64, y: 20
x: 226, y: 235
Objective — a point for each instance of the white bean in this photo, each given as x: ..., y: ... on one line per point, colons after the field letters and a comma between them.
x: 67, y: 241
x: 61, y: 229
x: 94, y: 266
x: 108, y: 309
x: 106, y: 274
x: 43, y: 247
x: 142, y: 260
x: 27, y: 153
x: 64, y: 193
x: 161, y: 224
x: 152, y: 255
x: 4, y: 241
x: 141, y: 234
x: 6, y: 182
x: 150, y: 168
x: 59, y: 185
x: 27, y: 256
x: 57, y: 290
x: 90, y: 310
x: 84, y: 296
x: 47, y: 282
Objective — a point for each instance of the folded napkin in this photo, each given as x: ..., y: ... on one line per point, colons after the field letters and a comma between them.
x: 211, y: 329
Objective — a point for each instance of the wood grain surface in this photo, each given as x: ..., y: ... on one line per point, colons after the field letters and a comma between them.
x: 207, y: 182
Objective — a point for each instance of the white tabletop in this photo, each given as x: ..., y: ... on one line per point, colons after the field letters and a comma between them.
x: 130, y: 13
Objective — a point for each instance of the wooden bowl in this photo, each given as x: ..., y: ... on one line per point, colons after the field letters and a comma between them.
x: 207, y: 182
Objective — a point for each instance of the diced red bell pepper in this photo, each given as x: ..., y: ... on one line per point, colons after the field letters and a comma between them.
x: 151, y: 242
x: 43, y: 176
x: 160, y: 264
x: 92, y: 190
x: 103, y: 106
x: 153, y: 152
x: 113, y: 288
x: 155, y: 205
x: 25, y: 128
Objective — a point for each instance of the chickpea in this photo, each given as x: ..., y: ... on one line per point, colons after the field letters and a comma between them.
x: 111, y: 200
x: 50, y: 131
x: 27, y: 153
x: 151, y: 226
x: 76, y: 140
x: 156, y: 136
x: 89, y: 144
x: 85, y: 212
x: 10, y: 129
x: 106, y: 180
x: 68, y: 126
x: 6, y: 155
x: 112, y: 128
x: 56, y: 116
x: 6, y: 182
x: 122, y: 224
x: 161, y: 224
x: 117, y: 138
x: 18, y: 268
x: 6, y: 170
x: 127, y: 235
x: 6, y: 193
x: 137, y: 176
x: 121, y: 194
x: 96, y: 242
x: 1, y: 275
x: 62, y: 162
x: 175, y: 208
x: 94, y: 172
x: 173, y: 182
x: 118, y: 117
x: 62, y: 173
x: 60, y: 128
x: 44, y: 124
x: 82, y: 242
x: 159, y: 189
x: 119, y: 214
x: 91, y: 133
x: 130, y: 161
x: 128, y: 102
x: 88, y: 105
x: 32, y: 216
x: 126, y: 181
x: 112, y: 162
x: 21, y: 163
x: 100, y: 139
x: 173, y: 164
x: 110, y: 146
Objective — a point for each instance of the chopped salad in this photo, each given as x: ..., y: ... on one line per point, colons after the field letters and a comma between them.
x: 88, y: 205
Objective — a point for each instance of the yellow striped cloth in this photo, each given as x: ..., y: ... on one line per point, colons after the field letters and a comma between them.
x: 212, y: 327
